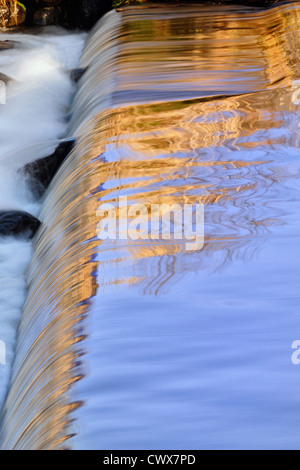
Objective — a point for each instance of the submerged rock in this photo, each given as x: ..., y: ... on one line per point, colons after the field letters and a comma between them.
x: 42, y: 171
x: 18, y: 223
x: 6, y: 45
x: 77, y: 74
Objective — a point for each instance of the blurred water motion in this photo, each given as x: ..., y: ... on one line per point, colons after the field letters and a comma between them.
x: 180, y: 349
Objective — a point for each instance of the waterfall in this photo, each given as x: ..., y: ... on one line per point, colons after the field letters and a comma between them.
x: 139, y: 343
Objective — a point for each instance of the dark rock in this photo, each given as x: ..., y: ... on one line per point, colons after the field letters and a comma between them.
x: 85, y: 13
x: 77, y: 74
x: 47, y: 16
x: 50, y: 2
x: 31, y: 6
x: 257, y: 3
x: 43, y: 170
x: 6, y: 45
x: 18, y: 223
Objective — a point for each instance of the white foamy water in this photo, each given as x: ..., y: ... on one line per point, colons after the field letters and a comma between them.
x: 14, y: 258
x: 32, y: 122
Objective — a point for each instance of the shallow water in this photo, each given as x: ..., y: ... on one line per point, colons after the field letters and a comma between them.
x: 171, y: 348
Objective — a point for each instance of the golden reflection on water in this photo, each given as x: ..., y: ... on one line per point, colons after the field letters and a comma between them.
x: 161, y: 140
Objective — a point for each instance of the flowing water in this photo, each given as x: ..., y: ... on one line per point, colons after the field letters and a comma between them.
x: 33, y: 117
x: 141, y: 344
